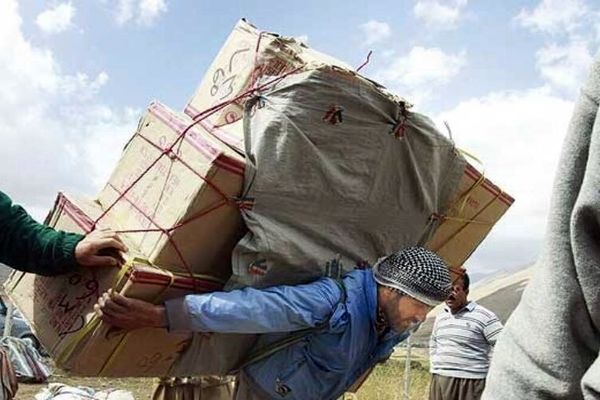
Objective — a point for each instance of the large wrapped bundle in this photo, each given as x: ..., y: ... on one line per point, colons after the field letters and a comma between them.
x: 60, y: 309
x: 335, y: 166
x: 253, y: 59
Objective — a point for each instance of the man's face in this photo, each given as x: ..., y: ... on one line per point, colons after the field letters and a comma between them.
x: 458, y: 297
x: 401, y: 312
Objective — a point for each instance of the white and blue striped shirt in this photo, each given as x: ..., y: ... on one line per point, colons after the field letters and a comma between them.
x: 460, y: 345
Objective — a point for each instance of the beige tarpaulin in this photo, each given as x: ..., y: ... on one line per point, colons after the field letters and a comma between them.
x: 334, y: 165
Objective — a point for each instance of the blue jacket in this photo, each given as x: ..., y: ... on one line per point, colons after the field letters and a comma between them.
x: 320, y: 366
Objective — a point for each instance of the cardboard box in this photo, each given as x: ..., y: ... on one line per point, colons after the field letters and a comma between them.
x: 472, y: 213
x: 102, y: 350
x: 178, y: 206
x: 57, y: 307
x: 247, y: 56
x: 60, y: 309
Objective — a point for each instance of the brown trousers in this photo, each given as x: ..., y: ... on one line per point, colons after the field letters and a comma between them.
x: 202, y: 388
x: 448, y: 388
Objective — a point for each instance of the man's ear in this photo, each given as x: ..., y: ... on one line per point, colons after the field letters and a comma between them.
x: 385, y: 292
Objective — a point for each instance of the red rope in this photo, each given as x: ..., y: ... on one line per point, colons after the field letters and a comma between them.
x: 168, y: 231
x: 209, y: 111
x: 197, y: 216
x: 256, y: 69
x: 174, y: 156
x: 138, y: 209
x: 366, y: 61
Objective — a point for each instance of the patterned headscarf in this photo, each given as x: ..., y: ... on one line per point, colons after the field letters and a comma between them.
x: 416, y: 271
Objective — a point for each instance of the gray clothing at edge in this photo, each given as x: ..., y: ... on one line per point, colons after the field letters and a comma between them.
x: 549, y: 347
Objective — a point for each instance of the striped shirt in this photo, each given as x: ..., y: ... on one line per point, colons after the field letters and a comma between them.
x: 460, y: 344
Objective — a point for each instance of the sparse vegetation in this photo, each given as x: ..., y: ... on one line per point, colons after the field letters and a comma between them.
x: 385, y: 383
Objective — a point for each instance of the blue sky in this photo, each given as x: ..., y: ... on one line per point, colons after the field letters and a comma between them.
x: 76, y: 75
x: 166, y: 58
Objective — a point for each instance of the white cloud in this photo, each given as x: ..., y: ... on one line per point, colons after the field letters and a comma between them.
x: 416, y: 74
x: 375, y: 31
x: 56, y: 19
x: 150, y: 10
x: 565, y: 67
x: 520, y: 146
x: 143, y: 12
x: 554, y: 16
x: 570, y: 31
x: 439, y: 14
x: 50, y: 121
x: 80, y: 85
x: 125, y: 10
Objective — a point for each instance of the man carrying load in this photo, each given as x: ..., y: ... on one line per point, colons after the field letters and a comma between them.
x: 317, y: 338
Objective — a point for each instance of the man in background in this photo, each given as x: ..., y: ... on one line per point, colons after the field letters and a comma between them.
x: 460, y: 346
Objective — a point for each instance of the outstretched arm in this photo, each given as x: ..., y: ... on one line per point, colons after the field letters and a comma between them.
x: 249, y: 310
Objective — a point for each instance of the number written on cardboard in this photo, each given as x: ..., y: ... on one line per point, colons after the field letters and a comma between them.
x: 84, y: 290
x: 223, y: 78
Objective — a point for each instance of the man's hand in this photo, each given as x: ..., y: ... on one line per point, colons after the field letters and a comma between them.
x: 122, y: 312
x: 101, y: 248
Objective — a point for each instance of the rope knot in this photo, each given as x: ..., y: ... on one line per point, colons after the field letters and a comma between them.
x: 334, y: 114
x: 437, y: 217
x: 170, y: 153
x: 256, y: 102
x: 244, y: 203
x: 258, y: 267
x: 399, y: 129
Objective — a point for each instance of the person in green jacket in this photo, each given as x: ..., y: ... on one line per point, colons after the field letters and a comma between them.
x: 29, y: 246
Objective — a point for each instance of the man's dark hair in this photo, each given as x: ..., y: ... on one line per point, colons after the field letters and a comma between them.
x: 466, y: 281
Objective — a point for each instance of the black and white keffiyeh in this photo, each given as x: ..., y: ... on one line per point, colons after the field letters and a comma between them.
x: 416, y: 271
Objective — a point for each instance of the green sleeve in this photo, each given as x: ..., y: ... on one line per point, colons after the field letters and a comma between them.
x: 29, y: 246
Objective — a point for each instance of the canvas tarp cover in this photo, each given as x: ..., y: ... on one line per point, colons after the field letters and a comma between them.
x: 336, y: 166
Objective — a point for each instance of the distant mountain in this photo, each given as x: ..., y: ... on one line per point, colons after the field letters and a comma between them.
x: 477, y: 277
x: 500, y: 293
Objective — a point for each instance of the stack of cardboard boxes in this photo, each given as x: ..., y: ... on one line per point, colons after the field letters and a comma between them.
x: 172, y: 195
